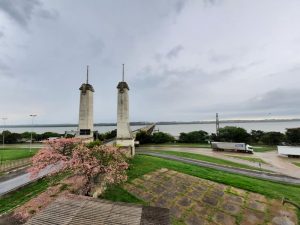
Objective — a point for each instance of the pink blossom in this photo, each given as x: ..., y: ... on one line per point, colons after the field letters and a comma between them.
x: 98, y: 164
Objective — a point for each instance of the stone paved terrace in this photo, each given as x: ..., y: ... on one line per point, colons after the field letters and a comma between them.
x: 195, y: 201
x: 89, y: 211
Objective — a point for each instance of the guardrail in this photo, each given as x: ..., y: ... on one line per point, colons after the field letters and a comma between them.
x: 12, y: 164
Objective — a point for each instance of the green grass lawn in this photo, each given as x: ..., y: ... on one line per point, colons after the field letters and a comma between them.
x: 250, y: 159
x: 296, y: 163
x: 189, y: 145
x: 256, y: 148
x: 142, y: 164
x: 7, y: 154
x: 263, y: 148
x: 17, y: 198
x: 208, y: 159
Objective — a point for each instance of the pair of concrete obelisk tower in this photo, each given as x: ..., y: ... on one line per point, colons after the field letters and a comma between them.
x: 86, y: 121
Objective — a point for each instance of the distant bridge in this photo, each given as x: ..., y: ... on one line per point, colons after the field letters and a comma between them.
x: 148, y: 129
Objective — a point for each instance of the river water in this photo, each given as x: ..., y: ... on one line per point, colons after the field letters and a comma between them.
x: 175, y: 129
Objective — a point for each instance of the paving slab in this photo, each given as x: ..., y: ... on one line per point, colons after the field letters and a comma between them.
x: 196, y: 201
x: 74, y: 210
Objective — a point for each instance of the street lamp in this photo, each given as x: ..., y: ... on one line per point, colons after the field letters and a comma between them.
x: 32, y: 117
x: 3, y: 139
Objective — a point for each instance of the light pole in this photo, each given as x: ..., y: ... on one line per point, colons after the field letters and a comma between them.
x: 3, y: 139
x: 32, y: 117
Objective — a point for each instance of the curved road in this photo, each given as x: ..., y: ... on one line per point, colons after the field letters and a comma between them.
x: 277, y: 164
x: 7, y: 186
x: 251, y: 173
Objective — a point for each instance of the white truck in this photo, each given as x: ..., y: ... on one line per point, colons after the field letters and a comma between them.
x: 238, y: 147
x: 290, y: 151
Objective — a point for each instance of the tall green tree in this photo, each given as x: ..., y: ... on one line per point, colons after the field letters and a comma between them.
x: 293, y: 136
x: 233, y: 134
x: 256, y: 135
x: 194, y: 137
x: 272, y: 138
x: 161, y: 137
x: 143, y: 137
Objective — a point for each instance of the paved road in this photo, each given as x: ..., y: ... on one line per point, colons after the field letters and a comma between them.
x: 281, y: 163
x: 277, y: 164
x: 250, y: 173
x: 21, y: 180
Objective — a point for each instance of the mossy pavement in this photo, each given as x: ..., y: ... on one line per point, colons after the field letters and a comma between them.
x: 196, y: 201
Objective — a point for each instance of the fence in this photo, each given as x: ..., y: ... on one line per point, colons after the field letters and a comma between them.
x: 9, y: 165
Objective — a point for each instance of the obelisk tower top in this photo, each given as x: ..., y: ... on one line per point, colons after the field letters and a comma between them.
x: 123, y: 74
x: 122, y: 84
x: 86, y: 86
x: 87, y: 74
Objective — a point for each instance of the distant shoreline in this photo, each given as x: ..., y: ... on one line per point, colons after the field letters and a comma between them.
x: 157, y: 123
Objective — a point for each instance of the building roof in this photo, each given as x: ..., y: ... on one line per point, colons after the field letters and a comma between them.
x: 84, y: 87
x: 122, y: 85
x: 67, y: 211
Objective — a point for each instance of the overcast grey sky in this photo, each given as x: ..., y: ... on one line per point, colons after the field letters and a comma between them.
x: 184, y: 60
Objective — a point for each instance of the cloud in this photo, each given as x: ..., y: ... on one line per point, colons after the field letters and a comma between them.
x: 219, y: 58
x: 96, y: 46
x: 185, y: 60
x: 284, y: 99
x: 5, y: 70
x: 179, y: 5
x: 173, y: 53
x: 1, y: 34
x: 47, y: 14
x: 23, y: 11
x: 278, y: 102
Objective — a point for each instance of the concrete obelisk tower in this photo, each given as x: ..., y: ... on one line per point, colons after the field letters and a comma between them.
x: 86, y: 114
x: 124, y: 134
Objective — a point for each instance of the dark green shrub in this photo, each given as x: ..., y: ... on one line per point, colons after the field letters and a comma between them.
x: 233, y: 134
x: 272, y: 138
x: 293, y: 136
x: 194, y: 137
x: 161, y: 137
x: 143, y: 137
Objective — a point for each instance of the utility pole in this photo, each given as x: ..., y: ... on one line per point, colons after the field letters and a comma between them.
x: 217, y: 124
x: 3, y: 139
x: 32, y: 117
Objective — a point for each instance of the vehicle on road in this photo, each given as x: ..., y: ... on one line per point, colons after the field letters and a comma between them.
x: 230, y: 146
x: 290, y: 151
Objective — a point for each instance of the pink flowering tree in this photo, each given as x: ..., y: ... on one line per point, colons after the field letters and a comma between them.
x: 99, y: 165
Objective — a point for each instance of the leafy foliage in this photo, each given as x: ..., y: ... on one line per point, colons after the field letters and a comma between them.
x: 108, y: 135
x: 293, y: 136
x: 143, y: 137
x: 161, y: 137
x: 194, y: 137
x: 10, y: 138
x: 256, y: 135
x: 233, y: 134
x: 156, y: 138
x: 97, y: 164
x: 272, y: 138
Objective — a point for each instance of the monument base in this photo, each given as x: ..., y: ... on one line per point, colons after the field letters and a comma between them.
x: 127, y: 143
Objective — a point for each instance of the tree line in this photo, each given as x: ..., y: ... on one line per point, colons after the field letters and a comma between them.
x: 226, y: 134
x: 13, y: 138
